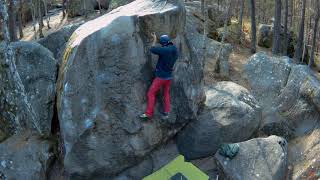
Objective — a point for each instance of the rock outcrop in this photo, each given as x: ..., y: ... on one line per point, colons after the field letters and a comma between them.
x: 217, y: 59
x: 230, y: 114
x: 56, y: 41
x: 25, y: 156
x: 79, y: 7
x: 261, y: 158
x: 30, y: 106
x: 265, y: 39
x: 102, y: 86
x: 288, y: 93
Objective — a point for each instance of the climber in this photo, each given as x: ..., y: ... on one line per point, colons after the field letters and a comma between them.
x: 168, y: 54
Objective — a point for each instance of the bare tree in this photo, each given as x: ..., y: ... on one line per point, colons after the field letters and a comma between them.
x: 253, y: 26
x: 20, y: 19
x: 45, y: 4
x: 204, y: 11
x: 33, y: 5
x: 12, y: 20
x: 64, y: 8
x: 240, y: 21
x: 298, y: 49
x: 227, y: 15
x: 99, y: 4
x: 84, y: 4
x: 40, y: 18
x: 315, y: 32
x: 277, y: 28
x: 286, y: 14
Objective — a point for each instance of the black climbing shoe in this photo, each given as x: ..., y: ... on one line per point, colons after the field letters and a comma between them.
x: 144, y: 117
x: 165, y: 116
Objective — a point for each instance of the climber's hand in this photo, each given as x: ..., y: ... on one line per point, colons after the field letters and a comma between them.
x: 154, y: 36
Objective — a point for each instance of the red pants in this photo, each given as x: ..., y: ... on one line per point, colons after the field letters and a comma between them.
x: 156, y: 85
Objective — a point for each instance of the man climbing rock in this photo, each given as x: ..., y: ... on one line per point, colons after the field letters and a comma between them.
x: 168, y: 55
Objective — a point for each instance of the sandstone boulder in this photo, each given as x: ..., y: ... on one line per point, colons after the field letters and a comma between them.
x: 56, y: 41
x: 102, y: 86
x: 78, y: 8
x: 288, y: 93
x: 217, y: 61
x: 265, y: 38
x: 25, y: 156
x: 32, y: 108
x: 230, y: 114
x: 261, y: 158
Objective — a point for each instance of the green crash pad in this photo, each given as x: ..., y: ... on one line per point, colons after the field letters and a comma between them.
x: 178, y: 169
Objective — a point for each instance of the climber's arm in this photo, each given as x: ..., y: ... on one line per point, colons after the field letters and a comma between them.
x: 154, y: 49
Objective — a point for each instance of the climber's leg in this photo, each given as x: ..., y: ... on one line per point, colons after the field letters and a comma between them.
x: 151, y: 96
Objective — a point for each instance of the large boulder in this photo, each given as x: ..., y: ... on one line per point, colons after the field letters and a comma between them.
x: 56, y: 41
x: 216, y: 13
x: 217, y: 59
x: 102, y: 86
x: 230, y: 114
x: 288, y: 93
x: 79, y: 7
x: 265, y: 35
x: 25, y: 156
x: 261, y: 158
x: 152, y: 163
x: 30, y: 107
x: 265, y: 39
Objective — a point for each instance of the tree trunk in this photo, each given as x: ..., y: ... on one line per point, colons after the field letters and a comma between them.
x: 315, y: 32
x: 45, y: 3
x: 240, y: 21
x: 299, y: 48
x: 40, y: 19
x: 84, y: 4
x: 277, y: 28
x: 253, y: 26
x: 225, y: 26
x: 64, y: 8
x: 12, y: 21
x: 286, y: 40
x: 99, y: 4
x: 20, y: 20
x: 204, y: 9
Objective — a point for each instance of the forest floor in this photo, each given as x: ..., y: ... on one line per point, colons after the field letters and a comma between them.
x: 56, y: 22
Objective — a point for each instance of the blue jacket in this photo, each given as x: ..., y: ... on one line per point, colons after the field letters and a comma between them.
x: 168, y: 55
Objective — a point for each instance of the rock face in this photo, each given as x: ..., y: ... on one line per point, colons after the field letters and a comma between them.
x: 78, y: 8
x: 156, y: 160
x: 261, y: 158
x: 231, y: 114
x: 217, y: 61
x: 25, y: 156
x: 56, y: 42
x: 32, y: 109
x: 103, y: 82
x: 288, y: 93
